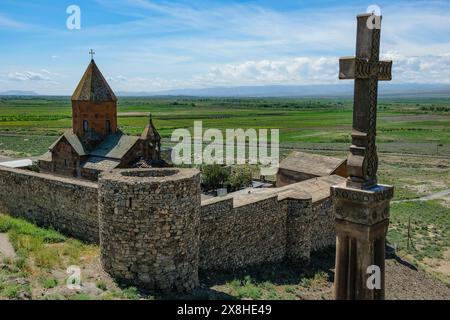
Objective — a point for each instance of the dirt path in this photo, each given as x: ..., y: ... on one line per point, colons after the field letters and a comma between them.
x: 6, y: 249
x: 434, y: 196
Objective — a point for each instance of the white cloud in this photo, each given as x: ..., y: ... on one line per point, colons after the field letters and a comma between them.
x: 43, y: 75
x: 28, y: 76
x: 10, y: 23
x: 300, y: 70
x: 420, y: 69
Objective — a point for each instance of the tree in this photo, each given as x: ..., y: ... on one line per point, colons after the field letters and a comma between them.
x: 214, y: 176
x: 240, y: 177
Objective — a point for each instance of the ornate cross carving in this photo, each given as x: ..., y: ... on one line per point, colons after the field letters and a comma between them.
x: 366, y: 69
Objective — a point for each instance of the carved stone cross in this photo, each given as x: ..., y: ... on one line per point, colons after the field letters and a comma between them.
x: 366, y: 70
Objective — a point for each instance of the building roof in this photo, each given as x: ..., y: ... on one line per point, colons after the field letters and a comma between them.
x: 100, y: 164
x: 316, y: 189
x: 314, y: 164
x: 73, y: 141
x: 45, y: 157
x: 115, y: 146
x: 150, y: 131
x: 93, y: 86
x: 22, y: 163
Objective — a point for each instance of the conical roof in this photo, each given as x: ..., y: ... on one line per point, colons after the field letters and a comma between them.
x: 93, y: 86
x: 150, y: 131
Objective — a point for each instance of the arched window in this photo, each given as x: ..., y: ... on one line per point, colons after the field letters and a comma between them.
x: 85, y: 126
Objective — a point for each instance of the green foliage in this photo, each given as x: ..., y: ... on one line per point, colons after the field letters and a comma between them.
x: 246, y: 288
x: 318, y: 279
x: 22, y: 227
x: 11, y: 291
x: 101, y: 285
x: 240, y: 177
x: 81, y: 296
x: 49, y: 283
x: 430, y: 228
x: 130, y: 293
x: 29, y: 126
x: 214, y: 176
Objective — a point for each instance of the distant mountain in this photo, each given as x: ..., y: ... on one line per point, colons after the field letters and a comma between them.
x: 331, y: 90
x: 18, y: 93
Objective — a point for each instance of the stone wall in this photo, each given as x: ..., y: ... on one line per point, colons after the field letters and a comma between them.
x: 323, y: 232
x: 238, y: 236
x: 298, y: 228
x: 286, y: 177
x: 149, y: 227
x: 155, y: 232
x: 65, y: 204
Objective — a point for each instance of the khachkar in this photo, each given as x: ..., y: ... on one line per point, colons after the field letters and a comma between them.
x: 362, y: 206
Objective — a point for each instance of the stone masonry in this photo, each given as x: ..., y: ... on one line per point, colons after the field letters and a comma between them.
x: 155, y: 232
x: 149, y: 227
x: 65, y: 204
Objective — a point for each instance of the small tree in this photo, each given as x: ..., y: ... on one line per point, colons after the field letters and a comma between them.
x: 240, y: 177
x: 214, y: 176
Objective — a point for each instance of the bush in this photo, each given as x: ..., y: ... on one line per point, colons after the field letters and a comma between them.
x: 240, y: 177
x: 214, y: 176
x: 49, y: 283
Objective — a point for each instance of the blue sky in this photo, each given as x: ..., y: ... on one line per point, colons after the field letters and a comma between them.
x: 144, y: 45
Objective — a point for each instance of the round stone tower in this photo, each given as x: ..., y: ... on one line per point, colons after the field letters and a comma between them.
x: 149, y: 227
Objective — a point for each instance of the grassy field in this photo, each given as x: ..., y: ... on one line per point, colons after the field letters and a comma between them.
x: 411, y: 126
x: 411, y: 133
x: 43, y: 255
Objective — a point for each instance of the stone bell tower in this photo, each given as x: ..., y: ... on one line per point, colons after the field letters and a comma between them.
x: 94, y: 107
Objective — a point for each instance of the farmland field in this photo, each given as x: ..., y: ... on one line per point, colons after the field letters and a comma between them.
x: 28, y: 125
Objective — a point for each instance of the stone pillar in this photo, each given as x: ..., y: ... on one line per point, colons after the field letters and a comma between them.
x: 362, y: 219
x: 149, y: 227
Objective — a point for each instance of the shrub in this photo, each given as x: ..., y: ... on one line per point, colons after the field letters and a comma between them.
x: 214, y: 176
x: 101, y: 285
x: 240, y: 177
x: 49, y: 283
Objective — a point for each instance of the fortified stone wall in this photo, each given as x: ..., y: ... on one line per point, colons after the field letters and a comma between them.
x: 323, y: 232
x: 149, y: 227
x: 247, y: 234
x: 271, y: 228
x: 155, y: 232
x: 65, y: 204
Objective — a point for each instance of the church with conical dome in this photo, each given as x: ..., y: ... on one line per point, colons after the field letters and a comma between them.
x: 95, y: 142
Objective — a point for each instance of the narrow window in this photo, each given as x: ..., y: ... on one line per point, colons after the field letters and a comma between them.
x: 85, y: 126
x: 65, y: 163
x: 129, y: 202
x: 108, y: 126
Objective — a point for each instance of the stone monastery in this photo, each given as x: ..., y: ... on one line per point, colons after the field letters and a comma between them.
x: 152, y: 226
x: 95, y: 143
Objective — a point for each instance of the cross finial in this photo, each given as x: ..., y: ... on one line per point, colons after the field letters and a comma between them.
x: 92, y: 54
x: 149, y: 117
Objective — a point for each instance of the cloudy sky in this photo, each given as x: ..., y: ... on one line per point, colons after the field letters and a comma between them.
x: 145, y: 45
